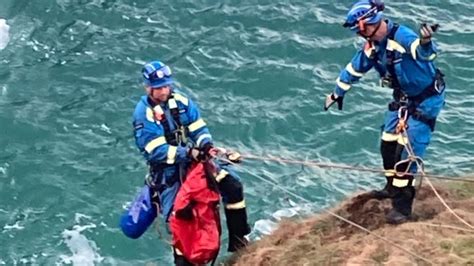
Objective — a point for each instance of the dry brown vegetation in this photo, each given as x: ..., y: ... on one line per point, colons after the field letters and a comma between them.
x: 325, y: 240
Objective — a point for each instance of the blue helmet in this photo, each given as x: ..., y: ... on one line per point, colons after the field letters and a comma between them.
x: 364, y: 12
x: 156, y: 74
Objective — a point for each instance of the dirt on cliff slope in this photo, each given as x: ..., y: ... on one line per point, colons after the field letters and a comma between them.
x: 434, y: 234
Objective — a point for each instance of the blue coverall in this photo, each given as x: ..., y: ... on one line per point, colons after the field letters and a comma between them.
x: 168, y: 158
x: 164, y: 142
x: 401, y: 59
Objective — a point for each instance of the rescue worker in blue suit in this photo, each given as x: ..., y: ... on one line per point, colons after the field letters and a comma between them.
x: 170, y: 132
x: 404, y: 60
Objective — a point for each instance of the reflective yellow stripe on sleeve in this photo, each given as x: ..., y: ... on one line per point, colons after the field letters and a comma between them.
x: 171, y: 157
x: 353, y: 72
x: 201, y: 138
x: 235, y: 206
x: 395, y: 46
x: 172, y: 103
x: 155, y: 143
x: 149, y: 115
x: 196, y: 125
x: 432, y: 57
x: 413, y: 47
x: 343, y: 85
x: 181, y: 98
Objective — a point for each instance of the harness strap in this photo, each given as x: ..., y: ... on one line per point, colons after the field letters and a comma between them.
x: 172, y: 138
x: 436, y: 88
x: 431, y: 122
x: 174, y: 110
x: 180, y: 131
x: 414, y: 113
x: 400, y: 99
x: 391, y: 58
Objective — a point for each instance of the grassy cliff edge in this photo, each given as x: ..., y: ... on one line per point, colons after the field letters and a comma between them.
x: 434, y: 234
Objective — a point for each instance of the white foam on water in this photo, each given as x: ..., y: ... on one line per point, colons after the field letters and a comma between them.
x: 285, y: 213
x: 84, y: 251
x: 264, y: 226
x: 79, y: 216
x: 15, y: 226
x: 151, y: 21
x: 4, y: 33
x: 105, y: 128
x: 267, y: 226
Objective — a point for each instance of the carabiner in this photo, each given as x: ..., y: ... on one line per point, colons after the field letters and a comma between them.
x: 403, y: 113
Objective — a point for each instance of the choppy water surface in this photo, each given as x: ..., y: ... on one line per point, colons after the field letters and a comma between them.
x: 69, y: 80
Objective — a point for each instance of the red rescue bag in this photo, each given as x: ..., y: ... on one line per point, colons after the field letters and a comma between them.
x: 198, y: 236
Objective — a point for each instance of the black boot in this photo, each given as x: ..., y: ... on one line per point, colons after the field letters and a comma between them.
x: 385, y: 193
x: 402, y: 205
x: 237, y: 227
x: 394, y: 217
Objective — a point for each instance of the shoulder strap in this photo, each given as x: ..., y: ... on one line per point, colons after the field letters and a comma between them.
x: 391, y: 58
x: 168, y: 133
x: 393, y: 31
x: 174, y: 110
x: 180, y: 131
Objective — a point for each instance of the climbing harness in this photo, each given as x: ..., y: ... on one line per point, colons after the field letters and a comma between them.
x: 402, y: 119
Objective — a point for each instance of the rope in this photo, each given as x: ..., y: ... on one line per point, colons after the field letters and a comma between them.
x: 335, y: 215
x: 340, y: 166
x: 446, y: 205
x: 447, y: 226
x: 419, y: 162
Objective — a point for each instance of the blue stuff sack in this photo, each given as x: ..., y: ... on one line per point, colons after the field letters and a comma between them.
x: 140, y: 215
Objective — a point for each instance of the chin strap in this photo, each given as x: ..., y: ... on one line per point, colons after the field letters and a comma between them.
x: 374, y: 32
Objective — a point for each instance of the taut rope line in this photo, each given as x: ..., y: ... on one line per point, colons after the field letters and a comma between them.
x: 340, y: 166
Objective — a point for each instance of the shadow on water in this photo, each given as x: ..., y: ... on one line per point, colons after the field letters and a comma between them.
x: 76, y: 103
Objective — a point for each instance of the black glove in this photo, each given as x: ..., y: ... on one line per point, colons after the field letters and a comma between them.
x: 195, y: 154
x: 203, y: 154
x: 207, y: 148
x: 426, y: 32
x: 331, y: 99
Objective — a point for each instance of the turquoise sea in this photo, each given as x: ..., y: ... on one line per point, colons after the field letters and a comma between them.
x: 259, y: 70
